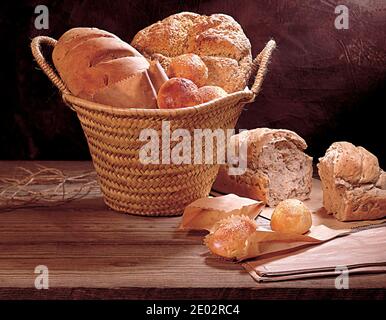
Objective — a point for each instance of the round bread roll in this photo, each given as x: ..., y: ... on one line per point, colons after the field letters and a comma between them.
x: 178, y: 93
x: 208, y: 93
x: 218, y: 39
x: 291, y: 216
x: 229, y: 240
x: 189, y: 66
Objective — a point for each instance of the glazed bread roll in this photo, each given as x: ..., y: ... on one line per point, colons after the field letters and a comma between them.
x: 277, y: 167
x: 98, y: 66
x: 189, y: 66
x: 353, y: 184
x: 291, y: 216
x: 228, y: 240
x: 178, y: 93
x: 218, y: 39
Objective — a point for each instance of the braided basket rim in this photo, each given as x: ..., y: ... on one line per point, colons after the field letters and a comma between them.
x: 244, y: 97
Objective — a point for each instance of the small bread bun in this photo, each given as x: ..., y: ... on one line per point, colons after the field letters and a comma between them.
x: 230, y: 237
x: 189, y: 66
x: 291, y: 216
x: 178, y: 93
x: 208, y: 93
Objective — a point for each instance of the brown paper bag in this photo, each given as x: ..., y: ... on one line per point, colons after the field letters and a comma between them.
x: 157, y: 75
x: 360, y: 252
x: 136, y: 91
x: 266, y: 241
x: 204, y: 213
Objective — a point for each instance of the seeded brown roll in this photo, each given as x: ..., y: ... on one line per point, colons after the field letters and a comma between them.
x: 229, y: 238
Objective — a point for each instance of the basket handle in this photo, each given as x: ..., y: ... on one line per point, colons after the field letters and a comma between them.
x: 260, y: 66
x: 36, y: 48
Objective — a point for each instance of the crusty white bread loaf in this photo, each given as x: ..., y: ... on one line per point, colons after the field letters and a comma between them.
x: 218, y: 39
x: 277, y: 167
x: 354, y: 186
x: 96, y: 65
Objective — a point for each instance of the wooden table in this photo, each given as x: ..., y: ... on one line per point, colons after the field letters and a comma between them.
x: 94, y: 252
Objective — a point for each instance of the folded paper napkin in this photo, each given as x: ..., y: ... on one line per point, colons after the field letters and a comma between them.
x: 360, y: 252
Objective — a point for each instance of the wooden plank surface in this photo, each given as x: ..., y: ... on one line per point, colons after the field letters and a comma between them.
x: 94, y: 252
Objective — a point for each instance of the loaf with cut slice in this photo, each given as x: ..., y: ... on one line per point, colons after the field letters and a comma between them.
x: 98, y: 66
x: 354, y: 186
x: 218, y: 39
x: 277, y: 167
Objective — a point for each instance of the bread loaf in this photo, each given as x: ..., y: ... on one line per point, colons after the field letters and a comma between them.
x: 277, y: 167
x: 218, y: 39
x: 98, y: 66
x: 354, y: 186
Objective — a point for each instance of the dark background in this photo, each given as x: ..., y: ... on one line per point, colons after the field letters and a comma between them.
x: 326, y: 84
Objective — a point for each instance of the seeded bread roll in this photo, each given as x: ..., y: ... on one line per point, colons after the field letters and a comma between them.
x: 96, y: 65
x: 218, y: 39
x: 277, y: 167
x: 354, y: 186
x: 230, y: 236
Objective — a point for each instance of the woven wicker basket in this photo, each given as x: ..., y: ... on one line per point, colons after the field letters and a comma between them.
x: 112, y: 135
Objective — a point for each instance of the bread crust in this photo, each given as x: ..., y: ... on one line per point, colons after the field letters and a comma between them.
x: 208, y: 93
x: 257, y: 138
x: 218, y: 39
x: 189, y: 66
x: 362, y: 204
x: 353, y: 184
x: 74, y: 37
x: 228, y: 184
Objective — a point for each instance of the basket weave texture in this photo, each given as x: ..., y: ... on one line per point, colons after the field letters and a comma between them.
x: 112, y: 134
